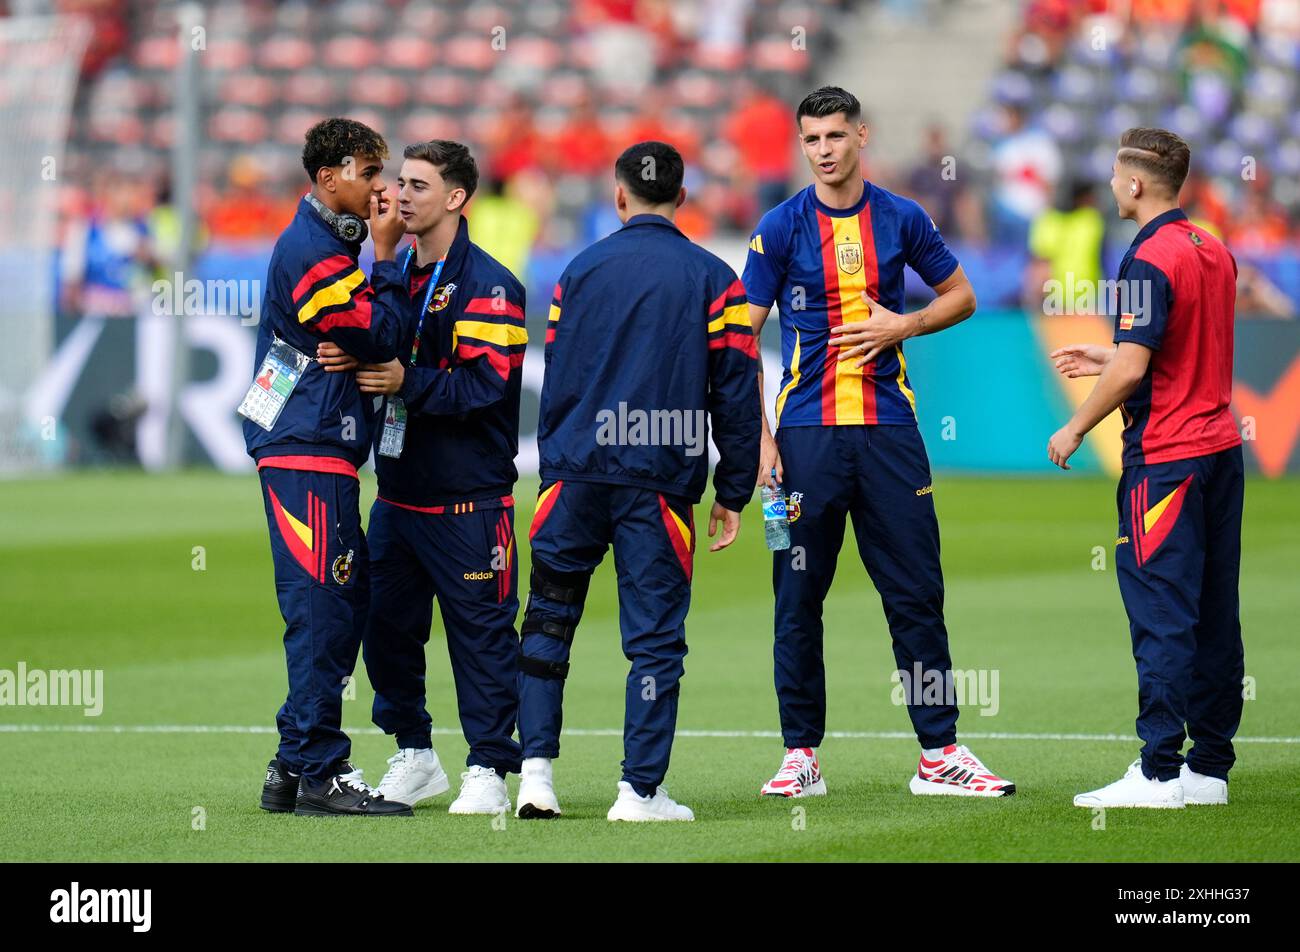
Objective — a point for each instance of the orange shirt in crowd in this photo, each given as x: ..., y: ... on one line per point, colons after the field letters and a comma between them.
x: 763, y: 131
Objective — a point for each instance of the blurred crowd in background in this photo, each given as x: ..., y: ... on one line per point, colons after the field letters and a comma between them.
x: 550, y: 102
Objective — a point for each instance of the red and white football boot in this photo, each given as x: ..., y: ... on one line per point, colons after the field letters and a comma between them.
x: 958, y: 773
x: 800, y: 776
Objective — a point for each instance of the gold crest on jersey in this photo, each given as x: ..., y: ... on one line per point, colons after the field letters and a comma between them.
x: 441, y: 297
x: 848, y: 255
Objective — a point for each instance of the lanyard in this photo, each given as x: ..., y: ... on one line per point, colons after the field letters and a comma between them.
x: 428, y: 296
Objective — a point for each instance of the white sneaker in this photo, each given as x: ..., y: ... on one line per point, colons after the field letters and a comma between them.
x: 536, y: 790
x: 637, y: 809
x: 800, y: 776
x: 482, y: 790
x: 413, y: 775
x: 957, y: 773
x: 1135, y: 790
x: 1200, y: 789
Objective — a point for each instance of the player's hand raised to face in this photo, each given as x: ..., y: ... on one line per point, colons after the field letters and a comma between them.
x: 730, y: 526
x: 334, y: 359
x: 865, y: 340
x: 386, y: 228
x: 381, y: 378
x: 1082, y: 360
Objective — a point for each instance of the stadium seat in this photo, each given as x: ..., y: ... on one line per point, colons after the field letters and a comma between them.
x: 249, y: 88
x: 238, y: 124
x: 292, y: 126
x: 349, y: 53
x: 429, y: 124
x: 286, y: 53
x: 311, y: 88
x: 380, y: 88
x: 413, y: 53
x: 228, y: 54
x: 155, y: 52
x: 469, y: 51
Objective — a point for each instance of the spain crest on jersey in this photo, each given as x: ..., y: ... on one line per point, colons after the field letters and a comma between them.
x: 441, y: 297
x: 848, y: 255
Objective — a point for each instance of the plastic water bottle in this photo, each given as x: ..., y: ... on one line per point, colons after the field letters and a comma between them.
x: 776, y: 522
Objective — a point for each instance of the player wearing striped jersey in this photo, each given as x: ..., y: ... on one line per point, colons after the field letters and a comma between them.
x: 846, y: 443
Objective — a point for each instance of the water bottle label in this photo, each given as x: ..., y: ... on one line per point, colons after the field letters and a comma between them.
x: 774, y: 507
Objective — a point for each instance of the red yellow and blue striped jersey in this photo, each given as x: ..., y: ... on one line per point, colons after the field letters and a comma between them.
x: 815, y: 262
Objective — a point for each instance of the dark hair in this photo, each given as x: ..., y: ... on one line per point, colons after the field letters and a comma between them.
x: 827, y: 101
x: 452, y: 160
x: 1159, y: 152
x: 331, y: 141
x: 652, y: 171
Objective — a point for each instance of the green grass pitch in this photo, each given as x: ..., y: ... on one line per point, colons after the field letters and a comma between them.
x: 96, y: 571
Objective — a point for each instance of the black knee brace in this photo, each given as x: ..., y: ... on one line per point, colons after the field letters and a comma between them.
x: 551, y: 670
x: 567, y: 588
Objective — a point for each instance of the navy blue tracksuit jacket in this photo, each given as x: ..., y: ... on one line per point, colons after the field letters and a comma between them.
x: 648, y: 342
x: 308, y: 461
x: 442, y: 526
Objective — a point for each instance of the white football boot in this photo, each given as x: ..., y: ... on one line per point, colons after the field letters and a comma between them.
x: 1200, y: 789
x: 482, y: 790
x: 637, y: 809
x: 537, y: 790
x: 413, y: 775
x: 1135, y: 790
x: 800, y: 776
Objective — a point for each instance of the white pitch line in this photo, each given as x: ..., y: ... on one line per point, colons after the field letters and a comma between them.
x: 578, y: 732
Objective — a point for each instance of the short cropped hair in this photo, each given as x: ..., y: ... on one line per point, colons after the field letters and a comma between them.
x: 452, y: 159
x: 827, y: 101
x: 652, y: 171
x: 1158, y: 152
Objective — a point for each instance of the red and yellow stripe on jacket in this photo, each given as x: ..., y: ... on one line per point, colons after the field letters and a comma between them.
x: 729, y: 324
x: 333, y: 293
x: 553, y: 318
x: 491, y: 327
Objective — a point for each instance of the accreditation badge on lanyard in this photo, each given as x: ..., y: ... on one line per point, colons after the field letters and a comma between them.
x: 281, y: 369
x: 393, y: 437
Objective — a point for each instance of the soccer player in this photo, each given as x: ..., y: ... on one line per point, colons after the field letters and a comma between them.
x: 1178, y: 552
x: 648, y: 338
x: 308, y: 431
x: 846, y: 442
x: 443, y: 524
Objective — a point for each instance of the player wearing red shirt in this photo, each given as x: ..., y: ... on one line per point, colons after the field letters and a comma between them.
x: 1178, y: 553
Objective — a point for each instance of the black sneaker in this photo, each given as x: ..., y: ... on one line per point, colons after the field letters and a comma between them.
x: 280, y: 791
x: 345, y: 794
